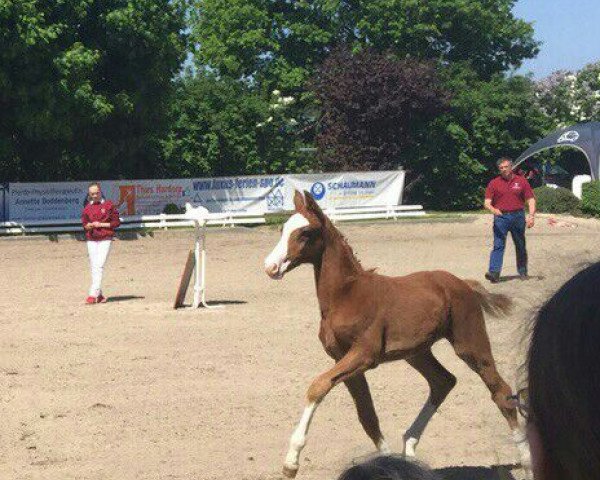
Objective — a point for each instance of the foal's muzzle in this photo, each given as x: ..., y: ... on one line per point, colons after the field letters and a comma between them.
x: 275, y: 271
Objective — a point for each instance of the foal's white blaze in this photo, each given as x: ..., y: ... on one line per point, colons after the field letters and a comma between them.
x: 298, y: 438
x: 277, y: 263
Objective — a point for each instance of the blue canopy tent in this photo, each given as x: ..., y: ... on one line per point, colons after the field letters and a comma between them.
x: 582, y: 136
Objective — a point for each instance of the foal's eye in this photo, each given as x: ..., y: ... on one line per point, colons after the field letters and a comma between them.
x: 306, y: 234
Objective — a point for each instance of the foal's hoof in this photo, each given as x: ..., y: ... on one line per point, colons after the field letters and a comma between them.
x: 290, y: 472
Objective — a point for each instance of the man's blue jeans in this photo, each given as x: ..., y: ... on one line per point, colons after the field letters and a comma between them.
x: 514, y: 223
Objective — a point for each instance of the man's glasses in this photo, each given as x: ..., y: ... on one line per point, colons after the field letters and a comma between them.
x: 522, y: 402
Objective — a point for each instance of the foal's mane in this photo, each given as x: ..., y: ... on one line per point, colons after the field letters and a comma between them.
x: 339, y: 238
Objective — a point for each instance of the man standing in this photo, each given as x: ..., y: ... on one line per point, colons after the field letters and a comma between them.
x: 505, y: 197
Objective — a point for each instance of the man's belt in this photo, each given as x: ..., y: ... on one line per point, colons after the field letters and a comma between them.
x: 512, y: 211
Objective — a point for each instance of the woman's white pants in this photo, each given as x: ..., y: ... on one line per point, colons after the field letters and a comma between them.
x: 98, y: 253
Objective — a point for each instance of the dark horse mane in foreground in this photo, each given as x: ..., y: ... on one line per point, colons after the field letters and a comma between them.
x: 368, y: 319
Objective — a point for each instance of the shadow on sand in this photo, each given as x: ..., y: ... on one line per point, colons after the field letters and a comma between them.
x: 123, y: 298
x: 216, y: 303
x: 497, y: 472
x: 508, y: 278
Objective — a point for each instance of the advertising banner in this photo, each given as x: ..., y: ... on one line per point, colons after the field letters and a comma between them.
x: 3, y: 206
x: 146, y: 197
x: 62, y: 201
x: 46, y: 201
x: 253, y: 194
x: 250, y: 194
x: 349, y: 188
x: 256, y: 194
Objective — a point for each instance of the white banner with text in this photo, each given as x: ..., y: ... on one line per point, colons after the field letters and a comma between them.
x: 250, y: 194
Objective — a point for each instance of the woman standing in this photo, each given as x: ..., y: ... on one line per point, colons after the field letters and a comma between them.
x: 99, y: 219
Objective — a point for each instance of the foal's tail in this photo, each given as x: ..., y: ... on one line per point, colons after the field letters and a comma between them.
x: 495, y: 304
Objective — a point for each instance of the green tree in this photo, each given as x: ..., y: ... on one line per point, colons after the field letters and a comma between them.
x: 84, y: 86
x: 484, y: 34
x: 274, y: 43
x: 570, y: 97
x: 221, y: 127
x: 374, y: 108
x: 486, y: 120
x: 280, y: 43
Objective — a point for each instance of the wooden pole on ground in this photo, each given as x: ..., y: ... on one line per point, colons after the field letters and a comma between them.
x: 184, y: 283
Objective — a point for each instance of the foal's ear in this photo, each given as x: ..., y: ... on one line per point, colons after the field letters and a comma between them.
x: 299, y: 204
x: 313, y: 207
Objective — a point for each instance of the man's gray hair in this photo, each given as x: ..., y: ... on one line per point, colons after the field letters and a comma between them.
x: 501, y: 160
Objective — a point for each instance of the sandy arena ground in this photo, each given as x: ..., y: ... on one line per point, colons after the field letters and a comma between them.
x: 135, y: 390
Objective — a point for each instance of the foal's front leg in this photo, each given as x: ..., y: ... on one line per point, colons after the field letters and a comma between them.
x: 352, y: 363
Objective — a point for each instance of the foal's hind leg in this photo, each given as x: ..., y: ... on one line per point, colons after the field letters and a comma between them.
x: 440, y: 381
x: 359, y: 389
x: 472, y: 345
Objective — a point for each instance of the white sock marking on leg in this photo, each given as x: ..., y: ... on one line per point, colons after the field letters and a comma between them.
x: 522, y: 444
x: 410, y: 445
x: 298, y: 438
x: 414, y: 432
x: 383, y: 447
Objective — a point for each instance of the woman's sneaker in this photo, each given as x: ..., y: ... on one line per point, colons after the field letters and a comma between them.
x: 101, y: 299
x: 90, y: 300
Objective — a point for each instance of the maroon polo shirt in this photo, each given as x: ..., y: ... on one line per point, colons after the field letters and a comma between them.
x: 103, y: 212
x: 509, y: 195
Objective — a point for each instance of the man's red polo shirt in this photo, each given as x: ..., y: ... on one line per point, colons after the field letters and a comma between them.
x: 509, y: 195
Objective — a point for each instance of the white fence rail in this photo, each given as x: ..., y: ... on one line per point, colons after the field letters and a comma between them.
x: 166, y: 221
x: 340, y: 214
x: 163, y: 221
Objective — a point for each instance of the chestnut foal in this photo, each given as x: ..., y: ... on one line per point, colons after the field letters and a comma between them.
x: 368, y: 319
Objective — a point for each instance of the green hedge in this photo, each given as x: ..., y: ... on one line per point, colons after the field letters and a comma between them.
x: 172, y: 209
x: 590, y: 200
x: 556, y: 200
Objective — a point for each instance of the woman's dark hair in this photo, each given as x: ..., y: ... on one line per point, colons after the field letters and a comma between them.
x: 563, y: 367
x: 388, y: 467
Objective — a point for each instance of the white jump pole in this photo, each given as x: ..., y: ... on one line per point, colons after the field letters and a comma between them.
x: 199, y: 216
